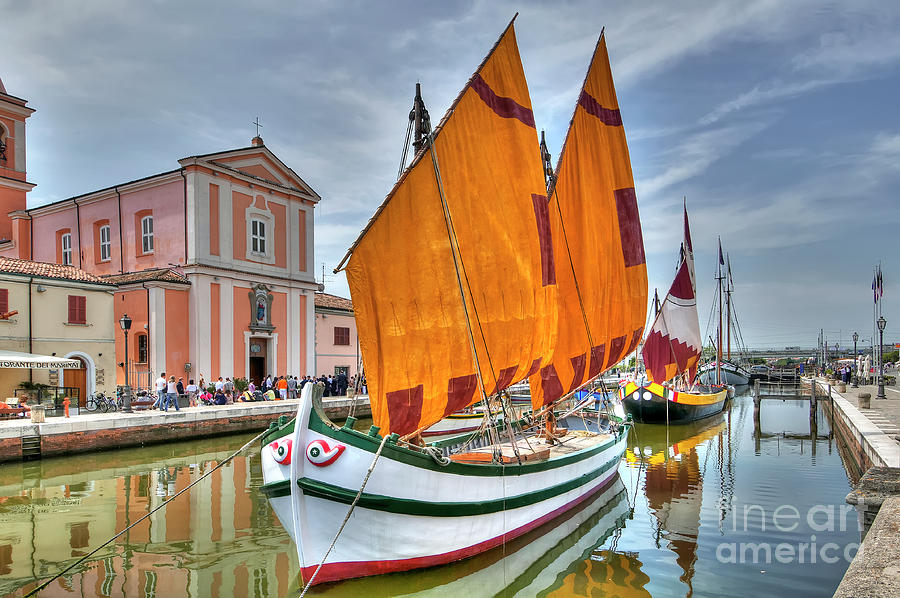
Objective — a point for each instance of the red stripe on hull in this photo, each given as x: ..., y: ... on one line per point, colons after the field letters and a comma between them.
x: 348, y: 570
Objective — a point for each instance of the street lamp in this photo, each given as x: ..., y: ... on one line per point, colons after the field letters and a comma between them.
x: 855, y: 362
x: 881, y: 325
x: 125, y: 323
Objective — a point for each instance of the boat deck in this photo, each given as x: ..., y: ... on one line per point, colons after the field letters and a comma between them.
x: 535, y: 448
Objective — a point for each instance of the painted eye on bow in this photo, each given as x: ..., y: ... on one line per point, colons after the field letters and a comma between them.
x: 320, y: 454
x: 281, y: 450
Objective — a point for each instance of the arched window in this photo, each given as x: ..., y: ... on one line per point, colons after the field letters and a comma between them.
x: 147, y: 234
x: 105, y: 244
x: 66, y: 248
x: 2, y: 145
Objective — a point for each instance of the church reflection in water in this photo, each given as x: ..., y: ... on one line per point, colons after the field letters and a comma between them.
x: 219, y: 539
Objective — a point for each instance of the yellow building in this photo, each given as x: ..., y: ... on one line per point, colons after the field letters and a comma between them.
x: 63, y: 312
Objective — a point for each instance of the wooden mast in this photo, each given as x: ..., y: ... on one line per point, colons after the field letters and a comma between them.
x: 421, y: 121
x: 719, y: 331
x: 728, y: 306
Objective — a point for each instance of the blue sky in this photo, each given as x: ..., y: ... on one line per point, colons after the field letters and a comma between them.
x: 776, y: 120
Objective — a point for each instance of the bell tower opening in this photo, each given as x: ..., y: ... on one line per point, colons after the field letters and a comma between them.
x: 14, y: 185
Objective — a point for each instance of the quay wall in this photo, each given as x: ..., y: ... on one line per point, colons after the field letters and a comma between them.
x: 95, y: 432
x: 863, y: 439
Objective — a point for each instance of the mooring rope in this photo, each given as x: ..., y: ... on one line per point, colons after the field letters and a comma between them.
x: 151, y: 512
x: 347, y: 518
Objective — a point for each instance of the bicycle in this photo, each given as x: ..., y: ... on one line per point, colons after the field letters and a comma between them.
x: 99, y: 401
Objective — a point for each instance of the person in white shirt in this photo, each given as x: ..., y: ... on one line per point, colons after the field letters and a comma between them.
x: 192, y: 392
x: 160, y: 392
x: 219, y: 384
x: 171, y: 394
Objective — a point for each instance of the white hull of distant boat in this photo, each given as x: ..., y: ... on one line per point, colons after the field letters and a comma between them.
x: 732, y: 374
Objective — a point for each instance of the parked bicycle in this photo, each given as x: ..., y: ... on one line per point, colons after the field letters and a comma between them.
x: 100, y: 402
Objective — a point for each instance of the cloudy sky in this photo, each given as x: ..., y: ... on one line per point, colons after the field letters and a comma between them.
x: 777, y: 120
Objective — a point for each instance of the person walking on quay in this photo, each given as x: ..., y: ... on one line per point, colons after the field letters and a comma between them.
x: 160, y: 392
x: 292, y: 387
x: 220, y: 385
x: 228, y: 387
x: 282, y: 386
x: 192, y: 393
x: 171, y: 394
x: 268, y: 384
x: 180, y: 386
x: 342, y: 384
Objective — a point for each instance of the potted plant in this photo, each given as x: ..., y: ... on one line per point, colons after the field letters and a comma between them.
x: 32, y: 391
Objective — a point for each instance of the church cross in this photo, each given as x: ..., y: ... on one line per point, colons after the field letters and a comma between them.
x: 256, y: 122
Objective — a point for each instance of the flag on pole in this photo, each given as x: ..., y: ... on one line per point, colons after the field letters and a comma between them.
x: 721, y: 258
x: 877, y: 285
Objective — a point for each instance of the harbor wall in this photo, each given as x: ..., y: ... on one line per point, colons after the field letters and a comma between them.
x: 96, y: 432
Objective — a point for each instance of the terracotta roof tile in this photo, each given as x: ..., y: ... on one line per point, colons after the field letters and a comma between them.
x: 152, y: 274
x: 11, y: 265
x: 333, y: 302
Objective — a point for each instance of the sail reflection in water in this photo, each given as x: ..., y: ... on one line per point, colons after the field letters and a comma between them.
x: 219, y: 539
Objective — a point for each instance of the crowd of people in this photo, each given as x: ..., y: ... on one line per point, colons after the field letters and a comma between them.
x: 224, y: 392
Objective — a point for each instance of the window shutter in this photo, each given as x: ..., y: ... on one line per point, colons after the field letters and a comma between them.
x: 4, y: 301
x: 77, y: 309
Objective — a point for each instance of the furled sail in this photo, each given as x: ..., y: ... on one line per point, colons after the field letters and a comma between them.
x: 674, y: 343
x: 597, y: 243
x: 408, y: 267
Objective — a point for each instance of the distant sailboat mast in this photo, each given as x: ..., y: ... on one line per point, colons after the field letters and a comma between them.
x: 719, y: 331
x: 728, y: 289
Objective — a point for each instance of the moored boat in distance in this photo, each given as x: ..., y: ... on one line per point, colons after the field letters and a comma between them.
x: 731, y: 373
x: 724, y: 369
x: 440, y: 331
x: 671, y: 352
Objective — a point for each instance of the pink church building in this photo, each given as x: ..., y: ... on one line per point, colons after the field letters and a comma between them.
x: 213, y: 259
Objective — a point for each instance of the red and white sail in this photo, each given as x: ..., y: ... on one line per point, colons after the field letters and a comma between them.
x: 673, y: 344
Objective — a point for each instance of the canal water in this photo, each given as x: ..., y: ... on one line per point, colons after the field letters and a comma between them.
x: 736, y: 505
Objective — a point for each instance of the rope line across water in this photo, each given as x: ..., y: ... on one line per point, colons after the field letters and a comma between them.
x: 152, y: 511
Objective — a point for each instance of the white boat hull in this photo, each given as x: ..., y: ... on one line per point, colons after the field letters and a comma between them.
x: 413, y: 512
x: 731, y: 374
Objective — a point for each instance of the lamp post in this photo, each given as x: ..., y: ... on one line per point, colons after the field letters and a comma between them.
x: 855, y: 362
x: 125, y: 323
x: 882, y: 323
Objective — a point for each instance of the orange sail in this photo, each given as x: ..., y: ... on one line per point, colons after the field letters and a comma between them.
x: 429, y: 280
x: 597, y: 243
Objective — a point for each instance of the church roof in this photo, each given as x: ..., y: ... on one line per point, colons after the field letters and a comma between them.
x: 11, y: 265
x: 326, y: 301
x: 149, y: 275
x: 2, y: 89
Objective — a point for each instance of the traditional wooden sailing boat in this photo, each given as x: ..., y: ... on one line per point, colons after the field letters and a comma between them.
x: 724, y: 370
x: 671, y: 352
x: 457, y: 296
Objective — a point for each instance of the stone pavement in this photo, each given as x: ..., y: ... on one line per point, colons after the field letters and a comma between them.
x: 884, y: 413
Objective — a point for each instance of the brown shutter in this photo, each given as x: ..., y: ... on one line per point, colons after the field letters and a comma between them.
x: 4, y: 301
x: 77, y: 309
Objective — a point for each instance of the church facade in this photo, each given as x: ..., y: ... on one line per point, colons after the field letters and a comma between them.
x: 213, y: 260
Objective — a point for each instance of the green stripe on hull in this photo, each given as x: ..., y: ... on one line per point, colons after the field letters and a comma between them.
x: 405, y: 506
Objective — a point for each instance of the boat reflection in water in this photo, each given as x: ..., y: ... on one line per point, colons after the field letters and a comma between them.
x: 673, y: 482
x: 552, y: 558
